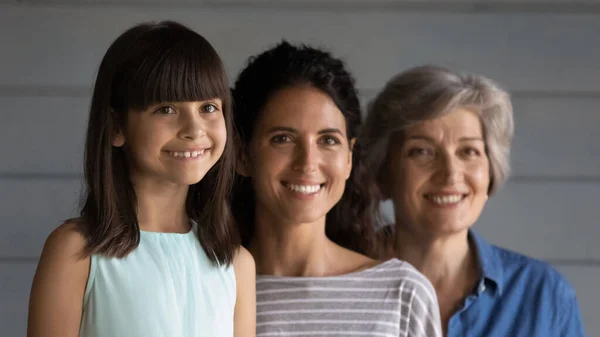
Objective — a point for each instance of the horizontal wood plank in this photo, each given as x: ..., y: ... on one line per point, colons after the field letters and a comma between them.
x: 30, y: 210
x: 15, y: 285
x: 548, y: 52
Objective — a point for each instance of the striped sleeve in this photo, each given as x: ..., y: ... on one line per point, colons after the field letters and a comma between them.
x: 423, y: 309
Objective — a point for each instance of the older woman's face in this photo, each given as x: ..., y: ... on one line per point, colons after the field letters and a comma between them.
x: 440, y: 174
x: 300, y: 156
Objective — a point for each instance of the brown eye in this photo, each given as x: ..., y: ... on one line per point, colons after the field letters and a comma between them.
x: 471, y: 152
x: 209, y: 108
x: 418, y: 151
x: 280, y: 139
x: 330, y: 140
x: 165, y: 110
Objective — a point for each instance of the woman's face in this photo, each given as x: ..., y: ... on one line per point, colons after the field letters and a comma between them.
x: 439, y: 174
x: 299, y: 157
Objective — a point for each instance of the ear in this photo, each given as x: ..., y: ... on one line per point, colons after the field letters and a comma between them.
x: 118, y: 139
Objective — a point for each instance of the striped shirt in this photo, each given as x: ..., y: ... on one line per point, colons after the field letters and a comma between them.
x: 388, y: 300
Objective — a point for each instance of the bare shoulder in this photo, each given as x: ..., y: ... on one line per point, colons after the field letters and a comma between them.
x: 66, y: 241
x: 243, y: 263
x: 245, y: 305
x: 64, y: 250
x: 58, y: 287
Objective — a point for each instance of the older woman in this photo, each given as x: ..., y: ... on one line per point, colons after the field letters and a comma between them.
x: 439, y: 143
x: 304, y: 206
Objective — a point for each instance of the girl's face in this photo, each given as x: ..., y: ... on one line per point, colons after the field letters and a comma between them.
x: 174, y: 142
x: 299, y: 157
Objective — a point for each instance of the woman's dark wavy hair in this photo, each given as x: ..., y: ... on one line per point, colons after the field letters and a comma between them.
x: 148, y: 64
x: 349, y: 223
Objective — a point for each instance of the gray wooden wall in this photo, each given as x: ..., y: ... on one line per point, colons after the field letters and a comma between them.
x: 545, y: 52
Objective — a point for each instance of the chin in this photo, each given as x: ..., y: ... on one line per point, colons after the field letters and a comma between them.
x: 304, y: 217
x: 445, y: 228
x: 189, y: 180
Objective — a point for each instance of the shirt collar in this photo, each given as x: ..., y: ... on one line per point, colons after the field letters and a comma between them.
x: 489, y: 262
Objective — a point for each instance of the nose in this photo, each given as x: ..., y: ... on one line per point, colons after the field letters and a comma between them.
x: 191, y: 126
x: 306, y: 159
x: 449, y: 169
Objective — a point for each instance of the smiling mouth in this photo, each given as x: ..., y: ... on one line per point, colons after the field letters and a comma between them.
x: 187, y: 154
x: 445, y: 199
x: 303, y: 189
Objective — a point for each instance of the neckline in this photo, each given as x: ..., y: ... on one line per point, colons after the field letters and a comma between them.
x: 191, y: 231
x: 165, y: 233
x: 317, y: 278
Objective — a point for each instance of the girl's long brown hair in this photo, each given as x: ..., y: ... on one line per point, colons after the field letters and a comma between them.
x: 152, y: 63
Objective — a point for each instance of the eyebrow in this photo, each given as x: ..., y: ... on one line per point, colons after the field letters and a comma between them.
x: 471, y: 139
x: 331, y: 130
x: 292, y: 130
x: 463, y: 139
x: 421, y: 138
x: 281, y: 128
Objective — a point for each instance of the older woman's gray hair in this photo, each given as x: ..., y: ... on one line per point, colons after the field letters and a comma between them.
x: 428, y: 92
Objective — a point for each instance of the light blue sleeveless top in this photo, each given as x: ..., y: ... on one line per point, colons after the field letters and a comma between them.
x: 166, y: 287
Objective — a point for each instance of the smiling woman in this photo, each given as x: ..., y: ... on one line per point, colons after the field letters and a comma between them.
x: 439, y: 144
x: 304, y: 206
x: 439, y: 202
x: 300, y: 159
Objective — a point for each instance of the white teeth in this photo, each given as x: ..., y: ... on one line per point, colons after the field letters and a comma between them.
x: 304, y: 189
x: 187, y: 154
x: 446, y: 199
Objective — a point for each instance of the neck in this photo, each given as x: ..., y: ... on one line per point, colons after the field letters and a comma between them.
x: 440, y: 258
x: 288, y: 249
x: 161, y: 207
x: 448, y: 261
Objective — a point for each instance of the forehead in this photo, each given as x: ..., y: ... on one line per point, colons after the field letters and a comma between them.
x: 303, y: 108
x: 461, y: 122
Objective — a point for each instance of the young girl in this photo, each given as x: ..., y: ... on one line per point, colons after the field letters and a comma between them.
x: 305, y: 206
x: 155, y: 251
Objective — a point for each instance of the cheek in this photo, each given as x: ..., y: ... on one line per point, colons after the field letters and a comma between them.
x: 270, y: 159
x: 338, y: 165
x: 479, y: 177
x: 141, y: 143
x: 219, y: 133
x: 405, y: 183
x: 266, y: 164
x: 407, y: 179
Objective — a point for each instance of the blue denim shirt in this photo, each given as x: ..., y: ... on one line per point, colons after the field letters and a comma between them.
x: 516, y: 296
